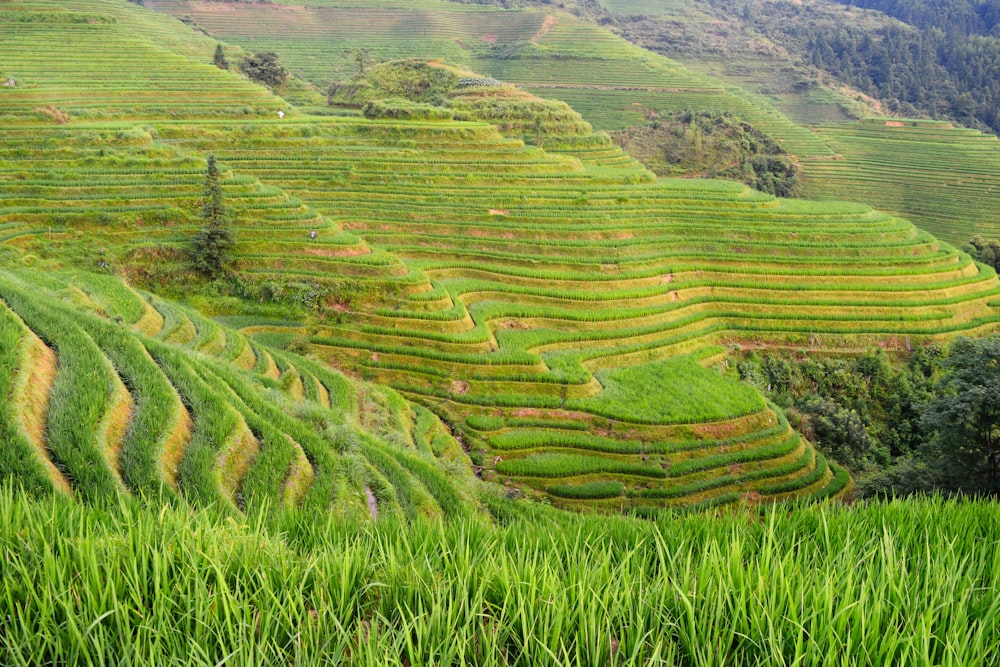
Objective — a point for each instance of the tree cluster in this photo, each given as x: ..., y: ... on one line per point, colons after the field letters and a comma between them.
x: 984, y: 250
x: 265, y: 68
x: 929, y: 423
x: 712, y: 144
x: 220, y: 58
x: 941, y: 58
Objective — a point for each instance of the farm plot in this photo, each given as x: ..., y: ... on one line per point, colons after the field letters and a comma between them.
x: 515, y: 274
x: 126, y: 413
x: 545, y: 275
x: 945, y: 179
x: 94, y: 66
x: 612, y: 82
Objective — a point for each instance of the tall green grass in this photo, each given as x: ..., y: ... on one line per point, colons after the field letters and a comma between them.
x: 905, y: 583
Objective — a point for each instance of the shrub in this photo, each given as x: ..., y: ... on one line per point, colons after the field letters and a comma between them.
x: 265, y: 68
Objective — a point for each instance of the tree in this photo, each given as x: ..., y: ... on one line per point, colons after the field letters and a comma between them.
x: 966, y: 415
x: 212, y: 247
x: 985, y: 251
x: 220, y: 57
x: 265, y: 68
x: 839, y: 432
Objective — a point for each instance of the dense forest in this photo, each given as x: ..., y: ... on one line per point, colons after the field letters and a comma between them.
x: 926, y: 422
x: 939, y: 58
x: 941, y: 70
x: 936, y: 58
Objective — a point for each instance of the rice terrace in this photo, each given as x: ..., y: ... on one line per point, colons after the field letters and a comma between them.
x: 499, y: 332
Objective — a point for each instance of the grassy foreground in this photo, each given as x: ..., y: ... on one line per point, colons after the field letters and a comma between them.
x: 914, y: 583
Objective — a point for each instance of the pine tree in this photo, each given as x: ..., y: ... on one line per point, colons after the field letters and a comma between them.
x: 212, y: 248
x: 220, y: 57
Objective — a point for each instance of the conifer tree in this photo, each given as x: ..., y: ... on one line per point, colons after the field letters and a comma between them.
x: 220, y: 57
x: 212, y: 247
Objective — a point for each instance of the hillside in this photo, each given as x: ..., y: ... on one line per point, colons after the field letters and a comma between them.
x: 730, y: 63
x: 115, y: 391
x: 549, y: 52
x: 473, y: 386
x: 944, y: 178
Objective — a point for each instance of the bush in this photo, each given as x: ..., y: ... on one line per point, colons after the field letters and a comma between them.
x: 265, y: 68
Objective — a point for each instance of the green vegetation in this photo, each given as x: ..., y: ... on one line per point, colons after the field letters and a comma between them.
x: 220, y: 58
x: 716, y: 145
x: 265, y: 68
x: 674, y: 390
x: 985, y: 251
x: 212, y: 248
x: 902, y: 428
x: 432, y: 308
x: 808, y: 585
x: 941, y: 177
x: 966, y: 413
x: 519, y: 276
x: 126, y: 412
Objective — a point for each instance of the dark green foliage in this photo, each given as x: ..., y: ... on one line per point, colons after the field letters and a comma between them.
x: 838, y: 431
x: 409, y: 80
x: 966, y: 415
x: 885, y: 395
x: 865, y: 412
x: 774, y: 174
x: 220, y: 58
x: 717, y: 145
x: 265, y: 68
x: 932, y: 422
x: 945, y: 62
x: 983, y: 250
x: 212, y: 248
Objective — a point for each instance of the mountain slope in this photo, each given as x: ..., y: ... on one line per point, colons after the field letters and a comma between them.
x: 144, y: 396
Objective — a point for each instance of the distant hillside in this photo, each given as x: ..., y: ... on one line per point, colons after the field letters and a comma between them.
x: 939, y: 60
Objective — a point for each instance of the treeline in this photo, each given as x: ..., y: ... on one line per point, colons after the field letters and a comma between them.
x: 932, y: 71
x: 967, y: 17
x: 928, y: 423
x: 941, y: 58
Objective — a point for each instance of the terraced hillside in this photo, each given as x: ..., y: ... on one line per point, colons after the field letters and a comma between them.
x: 613, y: 83
x: 514, y: 273
x: 112, y: 390
x: 98, y: 59
x: 117, y: 195
x: 616, y: 85
x: 946, y: 179
x: 535, y: 276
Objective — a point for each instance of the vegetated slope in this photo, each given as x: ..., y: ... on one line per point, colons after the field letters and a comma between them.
x: 945, y: 179
x: 120, y: 196
x: 545, y: 271
x: 101, y: 59
x: 907, y: 582
x: 614, y: 84
x: 109, y: 390
x: 756, y: 46
x: 552, y: 53
x: 551, y: 300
